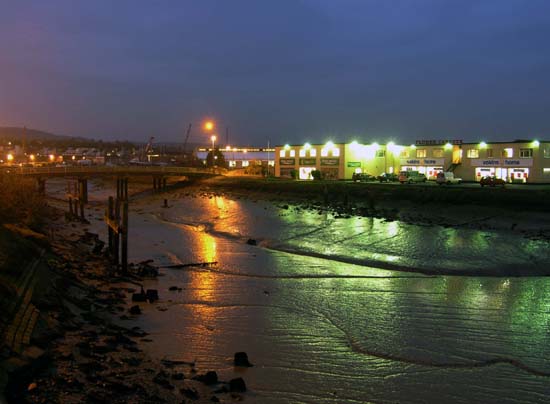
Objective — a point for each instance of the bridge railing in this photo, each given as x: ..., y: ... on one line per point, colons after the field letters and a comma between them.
x: 68, y: 170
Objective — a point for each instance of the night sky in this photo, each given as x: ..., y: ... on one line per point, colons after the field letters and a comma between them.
x: 278, y: 70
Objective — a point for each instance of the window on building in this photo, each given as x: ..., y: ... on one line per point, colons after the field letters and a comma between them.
x: 420, y: 153
x: 302, y: 152
x: 380, y: 153
x: 546, y: 152
x: 437, y: 152
x: 335, y: 152
x: 312, y: 152
x: 293, y: 153
x: 508, y: 152
x: 324, y: 152
x: 489, y: 153
x: 246, y: 163
x: 546, y: 171
x: 526, y: 153
x: 473, y: 153
x: 282, y: 153
x: 404, y: 154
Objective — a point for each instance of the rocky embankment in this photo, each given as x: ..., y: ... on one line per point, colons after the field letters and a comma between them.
x: 74, y: 345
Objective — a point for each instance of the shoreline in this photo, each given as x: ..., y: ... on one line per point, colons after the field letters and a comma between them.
x: 86, y: 306
x: 79, y: 351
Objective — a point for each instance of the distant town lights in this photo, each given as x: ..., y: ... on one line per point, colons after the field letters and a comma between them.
x: 536, y: 143
x: 413, y: 146
x: 307, y: 146
x: 448, y: 146
x: 482, y: 145
x: 10, y: 157
x: 287, y: 146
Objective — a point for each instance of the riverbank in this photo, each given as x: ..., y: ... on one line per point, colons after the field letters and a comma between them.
x: 78, y: 348
x: 524, y: 212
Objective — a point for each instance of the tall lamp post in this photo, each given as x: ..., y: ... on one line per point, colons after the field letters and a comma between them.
x: 213, y: 139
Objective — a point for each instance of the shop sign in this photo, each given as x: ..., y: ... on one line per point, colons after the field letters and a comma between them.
x: 354, y: 164
x: 502, y: 162
x: 330, y: 162
x: 422, y: 162
x: 286, y: 162
x: 437, y: 142
x: 308, y: 162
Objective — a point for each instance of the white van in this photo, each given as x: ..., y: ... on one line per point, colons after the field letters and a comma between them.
x: 447, y: 177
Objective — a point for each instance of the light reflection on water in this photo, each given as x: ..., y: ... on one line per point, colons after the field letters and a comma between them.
x: 327, y: 331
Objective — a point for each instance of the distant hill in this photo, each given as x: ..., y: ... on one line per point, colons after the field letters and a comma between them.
x: 7, y: 132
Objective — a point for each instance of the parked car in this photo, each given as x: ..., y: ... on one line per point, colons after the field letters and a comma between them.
x: 362, y: 177
x: 411, y: 176
x: 492, y: 181
x: 388, y: 177
x: 447, y: 177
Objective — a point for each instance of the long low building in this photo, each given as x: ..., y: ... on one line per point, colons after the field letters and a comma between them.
x: 526, y: 161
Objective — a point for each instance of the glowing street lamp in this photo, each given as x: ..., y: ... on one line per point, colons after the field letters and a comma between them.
x: 32, y: 157
x: 213, y: 139
x: 10, y: 157
x: 52, y: 157
x: 208, y: 126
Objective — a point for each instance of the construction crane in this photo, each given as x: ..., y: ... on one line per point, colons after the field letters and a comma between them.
x: 149, y: 146
x: 186, y: 139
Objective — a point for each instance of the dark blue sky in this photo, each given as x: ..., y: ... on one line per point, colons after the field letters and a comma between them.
x: 283, y: 70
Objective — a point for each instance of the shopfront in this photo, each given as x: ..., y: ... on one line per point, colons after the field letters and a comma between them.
x: 510, y: 170
x: 428, y: 166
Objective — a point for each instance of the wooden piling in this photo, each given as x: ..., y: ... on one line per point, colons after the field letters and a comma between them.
x: 124, y: 234
x: 110, y: 215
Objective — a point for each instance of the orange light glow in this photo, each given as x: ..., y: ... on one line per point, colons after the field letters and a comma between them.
x: 209, y: 125
x: 10, y: 157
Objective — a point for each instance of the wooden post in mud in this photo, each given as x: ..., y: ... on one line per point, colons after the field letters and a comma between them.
x: 122, y: 189
x: 110, y: 215
x: 124, y: 234
x: 117, y: 233
x: 116, y: 218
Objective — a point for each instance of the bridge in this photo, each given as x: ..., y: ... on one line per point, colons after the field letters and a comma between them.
x: 94, y: 171
x: 158, y: 173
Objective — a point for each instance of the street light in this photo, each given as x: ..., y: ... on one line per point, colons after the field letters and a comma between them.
x: 213, y: 139
x: 208, y: 126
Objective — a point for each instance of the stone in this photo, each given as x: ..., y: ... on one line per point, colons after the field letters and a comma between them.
x: 237, y: 385
x: 208, y: 378
x: 139, y: 297
x: 241, y: 359
x: 152, y: 295
x: 178, y: 376
x: 190, y: 393
x: 135, y: 310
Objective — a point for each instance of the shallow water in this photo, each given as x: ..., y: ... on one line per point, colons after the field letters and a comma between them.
x: 324, y: 322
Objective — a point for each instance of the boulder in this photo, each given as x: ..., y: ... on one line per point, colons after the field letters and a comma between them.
x: 241, y: 359
x: 135, y: 310
x: 208, y: 378
x: 152, y: 295
x: 237, y: 385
